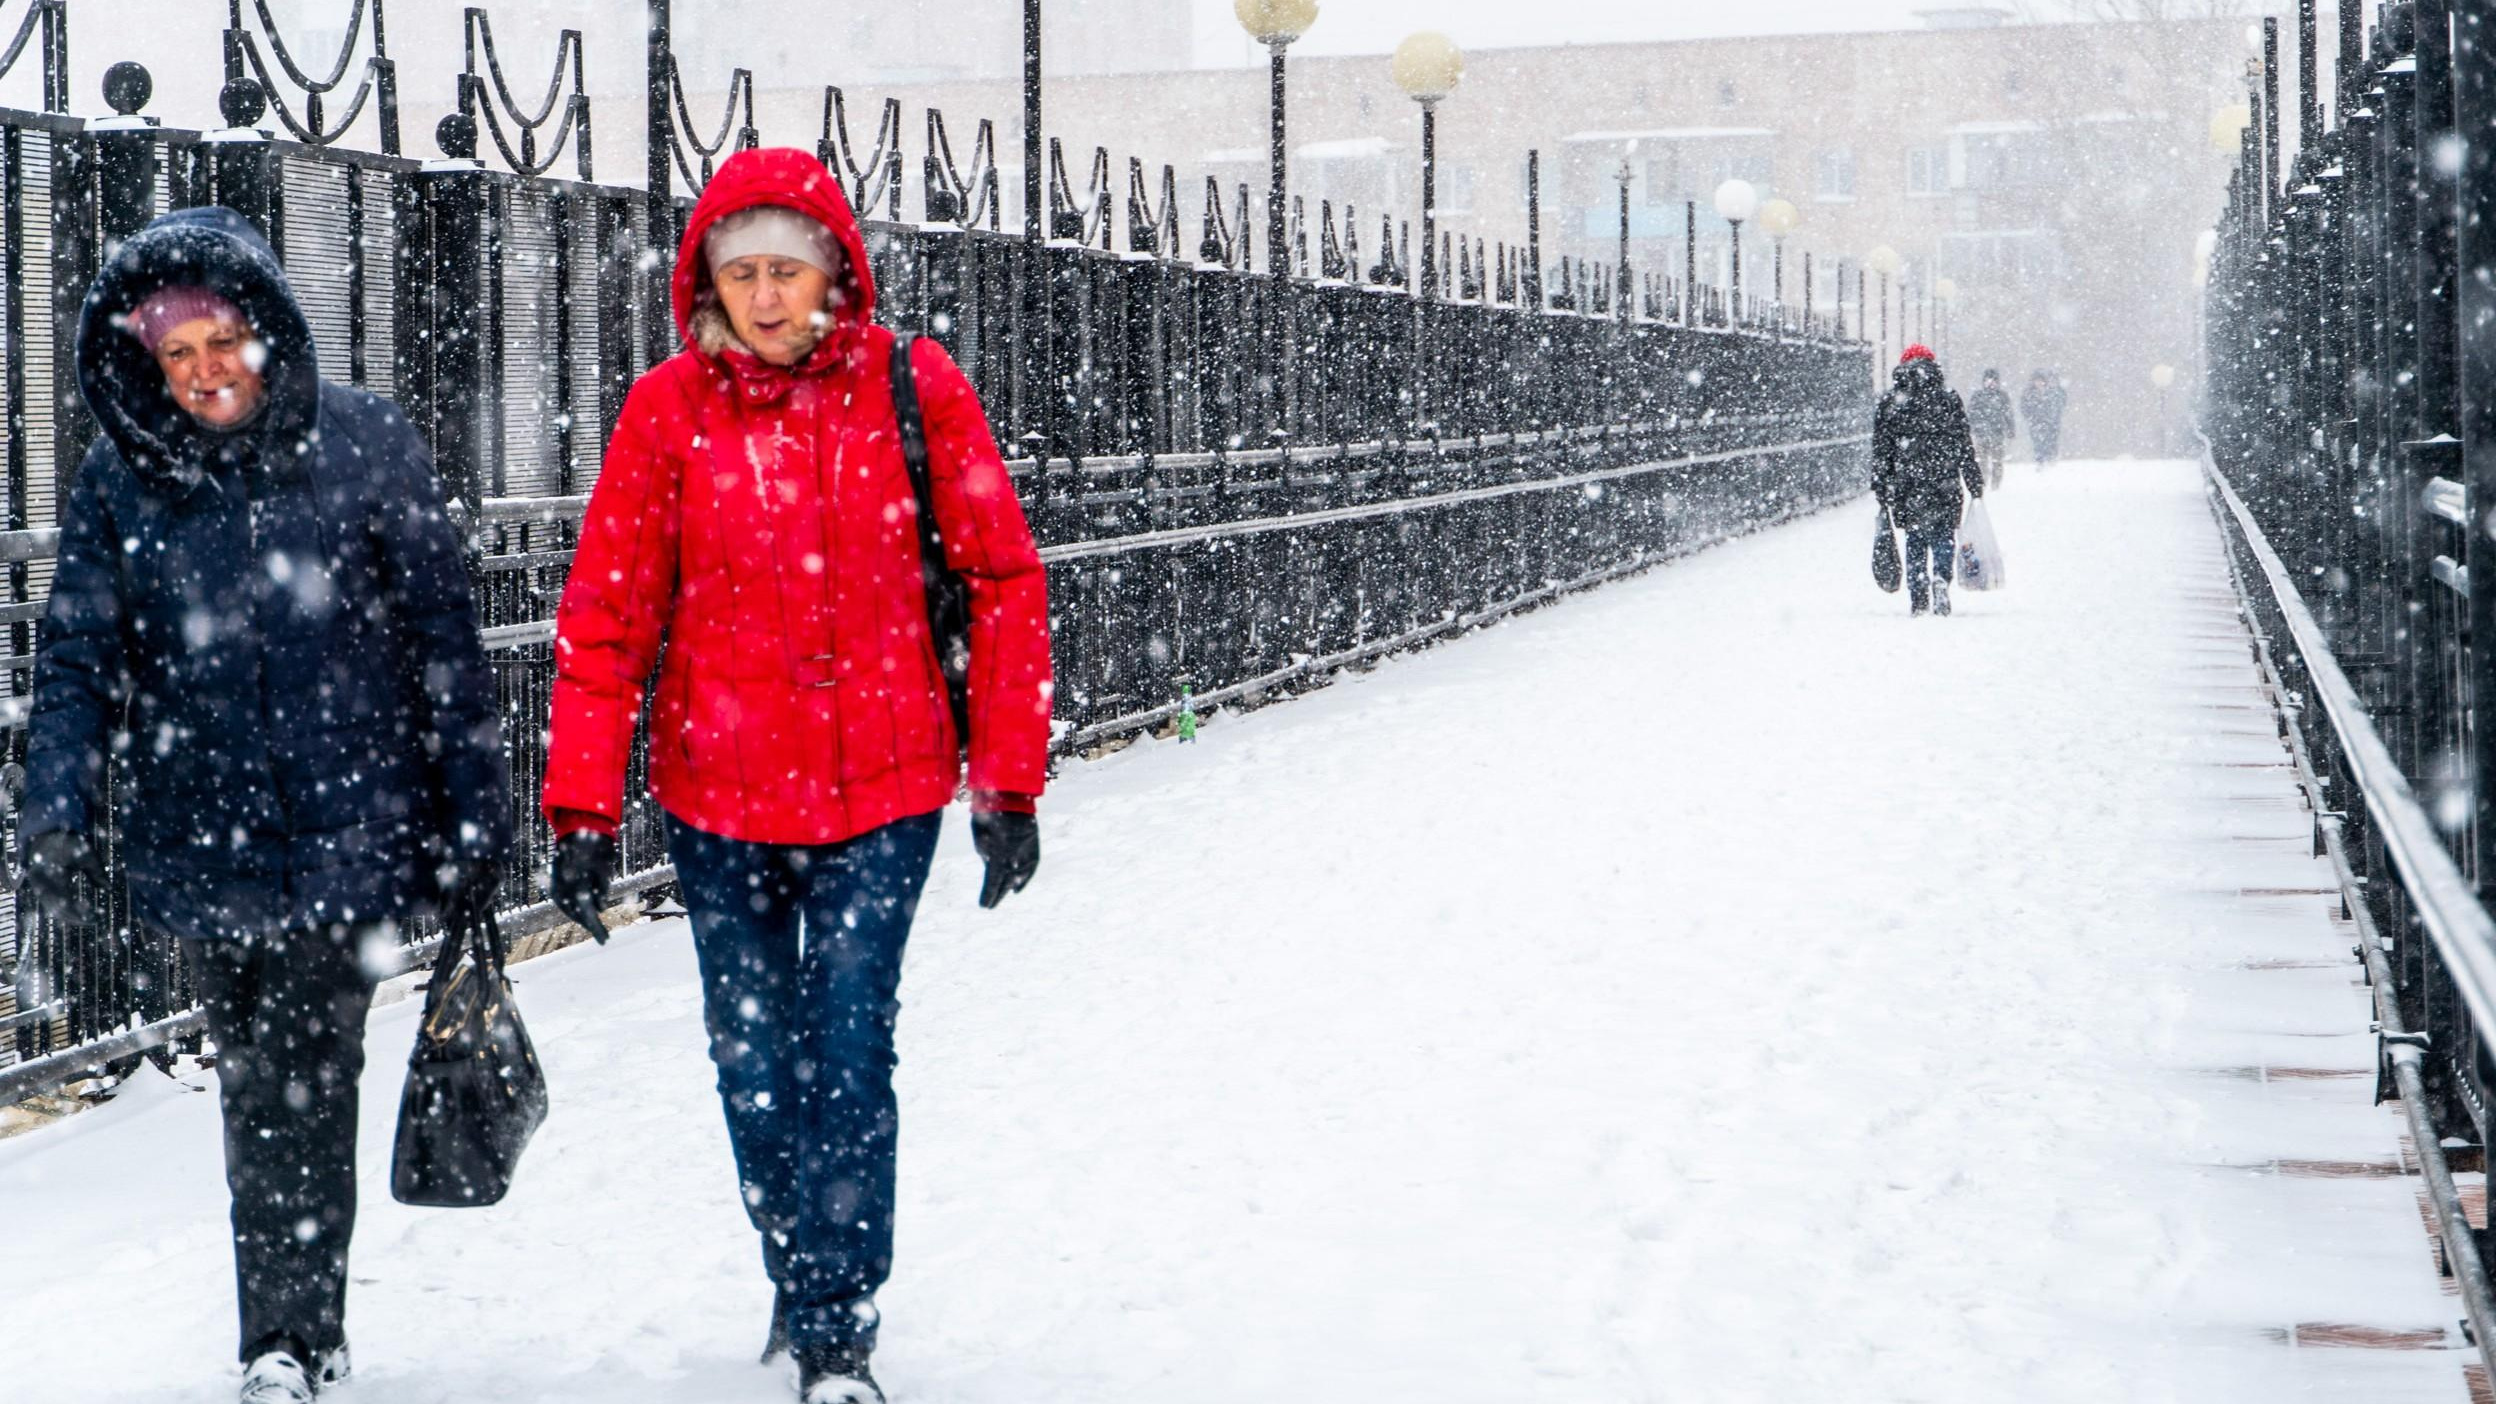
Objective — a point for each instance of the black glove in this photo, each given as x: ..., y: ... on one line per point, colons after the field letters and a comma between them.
x: 584, y: 877
x: 467, y: 887
x: 54, y: 864
x: 1010, y: 843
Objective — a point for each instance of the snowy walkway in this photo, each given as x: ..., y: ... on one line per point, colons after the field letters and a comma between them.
x: 1716, y: 988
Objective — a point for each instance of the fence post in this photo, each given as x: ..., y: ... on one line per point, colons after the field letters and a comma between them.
x: 2474, y: 69
x: 125, y: 187
x: 456, y: 404
x: 2437, y: 235
x: 242, y: 168
x: 659, y: 209
x: 126, y: 146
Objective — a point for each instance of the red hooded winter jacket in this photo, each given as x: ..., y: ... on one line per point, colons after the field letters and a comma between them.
x: 760, y: 519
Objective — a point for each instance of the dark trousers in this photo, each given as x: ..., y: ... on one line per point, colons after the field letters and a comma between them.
x: 1989, y: 457
x: 1932, y: 550
x: 800, y: 949
x: 287, y: 1014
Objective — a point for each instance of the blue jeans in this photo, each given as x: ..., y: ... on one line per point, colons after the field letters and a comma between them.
x: 800, y: 949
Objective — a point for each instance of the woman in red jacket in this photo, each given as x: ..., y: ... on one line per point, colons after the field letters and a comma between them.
x: 755, y: 511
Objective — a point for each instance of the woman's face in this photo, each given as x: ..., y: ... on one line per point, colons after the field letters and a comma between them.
x: 213, y: 369
x: 778, y: 306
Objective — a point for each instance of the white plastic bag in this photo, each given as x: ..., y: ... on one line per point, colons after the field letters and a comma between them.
x: 1980, y: 555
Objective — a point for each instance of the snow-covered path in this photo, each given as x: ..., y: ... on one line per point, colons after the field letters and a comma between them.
x: 1716, y: 988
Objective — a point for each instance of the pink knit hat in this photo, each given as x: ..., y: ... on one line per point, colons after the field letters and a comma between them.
x: 167, y: 308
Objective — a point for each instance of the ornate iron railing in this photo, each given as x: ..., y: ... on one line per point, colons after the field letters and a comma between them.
x: 486, y: 93
x: 377, y: 79
x: 2350, y: 373
x: 1240, y: 482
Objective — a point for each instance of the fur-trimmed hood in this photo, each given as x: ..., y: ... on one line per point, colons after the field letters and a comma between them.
x: 778, y: 175
x: 215, y: 248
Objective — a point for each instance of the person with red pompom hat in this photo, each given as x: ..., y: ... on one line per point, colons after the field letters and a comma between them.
x: 1922, y: 456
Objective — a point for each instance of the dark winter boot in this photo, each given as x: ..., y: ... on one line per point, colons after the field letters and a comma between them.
x: 836, y: 1376
x: 1941, y: 599
x: 331, y: 1367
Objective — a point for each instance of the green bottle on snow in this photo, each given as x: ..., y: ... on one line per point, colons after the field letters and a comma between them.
x: 1187, y: 713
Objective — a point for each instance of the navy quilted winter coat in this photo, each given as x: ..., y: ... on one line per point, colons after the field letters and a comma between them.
x: 267, y: 634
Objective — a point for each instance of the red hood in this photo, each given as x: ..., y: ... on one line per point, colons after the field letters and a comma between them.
x: 777, y: 175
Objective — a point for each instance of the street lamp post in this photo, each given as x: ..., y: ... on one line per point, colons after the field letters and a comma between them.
x: 1883, y: 260
x: 1625, y: 175
x: 1737, y: 200
x: 1031, y: 121
x: 1779, y: 217
x: 1428, y: 67
x: 1690, y: 263
x: 1275, y: 24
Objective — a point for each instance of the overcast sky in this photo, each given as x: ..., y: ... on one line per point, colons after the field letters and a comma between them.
x: 1374, y: 26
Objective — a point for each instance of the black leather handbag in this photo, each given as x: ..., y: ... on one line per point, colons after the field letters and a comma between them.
x: 1885, y: 563
x: 475, y: 1093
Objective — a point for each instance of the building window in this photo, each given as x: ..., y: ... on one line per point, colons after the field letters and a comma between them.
x: 2000, y: 161
x: 1834, y: 177
x: 1724, y: 93
x: 1928, y: 170
x: 1457, y: 197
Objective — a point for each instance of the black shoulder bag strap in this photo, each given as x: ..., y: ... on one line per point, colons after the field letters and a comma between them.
x: 948, y: 597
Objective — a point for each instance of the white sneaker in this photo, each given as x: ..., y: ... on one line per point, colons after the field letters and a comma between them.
x: 276, y: 1378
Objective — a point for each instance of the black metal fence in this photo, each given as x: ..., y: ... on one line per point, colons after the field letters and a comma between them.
x: 1239, y: 481
x: 2352, y: 422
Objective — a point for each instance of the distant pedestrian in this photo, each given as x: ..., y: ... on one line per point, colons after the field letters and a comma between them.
x: 1921, y: 459
x: 1990, y: 425
x: 2041, y: 404
x: 756, y: 512
x: 261, y: 624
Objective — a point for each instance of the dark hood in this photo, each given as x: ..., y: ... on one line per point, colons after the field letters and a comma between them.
x: 215, y: 248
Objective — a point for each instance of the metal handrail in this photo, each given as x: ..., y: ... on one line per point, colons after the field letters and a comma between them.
x: 2448, y: 906
x: 1298, y: 521
x: 2403, y: 1055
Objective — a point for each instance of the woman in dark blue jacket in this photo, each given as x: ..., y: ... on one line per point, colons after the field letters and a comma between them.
x: 261, y: 623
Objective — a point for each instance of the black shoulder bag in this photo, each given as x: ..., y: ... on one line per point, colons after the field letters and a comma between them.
x: 948, y: 595
x: 475, y: 1093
